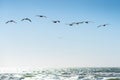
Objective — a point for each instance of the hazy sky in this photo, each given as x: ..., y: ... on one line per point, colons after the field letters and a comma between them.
x: 44, y: 44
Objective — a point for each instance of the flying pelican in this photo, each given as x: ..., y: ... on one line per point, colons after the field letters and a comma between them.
x: 71, y: 24
x: 10, y: 21
x: 87, y: 22
x: 79, y: 22
x: 26, y: 19
x: 41, y: 16
x: 102, y: 25
x: 56, y: 21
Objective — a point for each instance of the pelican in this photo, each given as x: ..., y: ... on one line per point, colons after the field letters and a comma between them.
x: 10, y: 21
x: 79, y: 22
x: 41, y: 16
x: 102, y: 25
x: 26, y: 19
x: 71, y: 24
x: 87, y: 22
x: 56, y: 21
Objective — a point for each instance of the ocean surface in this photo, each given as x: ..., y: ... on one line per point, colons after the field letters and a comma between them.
x: 64, y: 74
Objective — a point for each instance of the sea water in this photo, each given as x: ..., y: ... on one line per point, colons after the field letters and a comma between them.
x: 64, y: 74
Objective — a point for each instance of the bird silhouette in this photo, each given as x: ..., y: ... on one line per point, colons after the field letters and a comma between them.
x: 87, y: 22
x: 10, y: 21
x: 26, y: 19
x: 79, y: 22
x: 57, y: 21
x: 102, y: 25
x: 41, y: 16
x: 71, y: 24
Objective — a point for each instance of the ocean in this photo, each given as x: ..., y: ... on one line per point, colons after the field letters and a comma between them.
x: 64, y: 74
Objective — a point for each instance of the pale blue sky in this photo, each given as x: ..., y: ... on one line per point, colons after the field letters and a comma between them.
x: 44, y: 44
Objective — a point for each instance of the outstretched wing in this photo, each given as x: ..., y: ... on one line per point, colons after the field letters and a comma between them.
x: 7, y: 22
x: 23, y: 19
x: 11, y: 21
x: 29, y: 20
x: 26, y: 19
x: 99, y: 26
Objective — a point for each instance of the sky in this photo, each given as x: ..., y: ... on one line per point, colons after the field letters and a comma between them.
x: 44, y: 44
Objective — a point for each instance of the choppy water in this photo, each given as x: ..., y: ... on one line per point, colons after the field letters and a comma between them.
x: 65, y: 74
